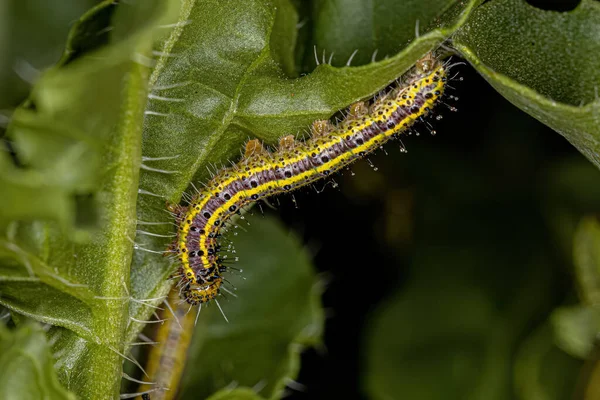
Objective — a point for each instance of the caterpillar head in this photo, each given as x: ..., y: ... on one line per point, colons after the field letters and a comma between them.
x: 203, y: 292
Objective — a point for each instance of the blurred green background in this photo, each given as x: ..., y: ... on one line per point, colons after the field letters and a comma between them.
x: 466, y: 247
x: 32, y: 38
x: 467, y: 268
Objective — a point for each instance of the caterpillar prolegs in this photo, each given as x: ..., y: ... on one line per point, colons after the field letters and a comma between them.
x: 261, y: 173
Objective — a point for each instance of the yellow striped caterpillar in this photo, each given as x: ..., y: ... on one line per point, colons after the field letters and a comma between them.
x: 261, y: 173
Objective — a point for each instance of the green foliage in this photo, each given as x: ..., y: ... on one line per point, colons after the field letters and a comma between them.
x: 28, y: 366
x: 544, y: 62
x: 577, y: 327
x: 235, y: 394
x: 225, y: 101
x: 75, y: 183
x: 543, y: 371
x: 451, y: 334
x: 262, y: 341
x: 71, y: 141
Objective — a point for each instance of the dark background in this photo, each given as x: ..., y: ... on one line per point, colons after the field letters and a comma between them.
x: 483, y: 178
x: 492, y: 178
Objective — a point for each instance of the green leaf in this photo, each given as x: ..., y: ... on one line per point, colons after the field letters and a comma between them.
x: 283, y: 38
x: 570, y: 190
x: 546, y: 63
x: 24, y: 24
x: 542, y: 370
x: 224, y: 78
x: 227, y: 73
x: 576, y: 329
x: 26, y: 195
x: 344, y: 27
x: 423, y: 324
x: 586, y: 255
x: 31, y: 287
x: 275, y: 315
x: 83, y: 136
x: 28, y: 366
x: 235, y: 394
x: 61, y: 133
x: 53, y: 165
x: 465, y: 307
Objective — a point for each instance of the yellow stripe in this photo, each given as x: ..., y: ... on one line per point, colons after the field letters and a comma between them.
x: 167, y: 358
x: 195, y: 208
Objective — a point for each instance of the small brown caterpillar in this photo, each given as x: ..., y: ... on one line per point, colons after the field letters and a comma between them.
x: 261, y: 174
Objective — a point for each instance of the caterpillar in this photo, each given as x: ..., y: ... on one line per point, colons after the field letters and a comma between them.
x: 167, y: 358
x: 261, y: 173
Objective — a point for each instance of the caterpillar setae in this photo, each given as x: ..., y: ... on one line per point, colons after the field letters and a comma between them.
x: 166, y: 359
x: 261, y: 173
